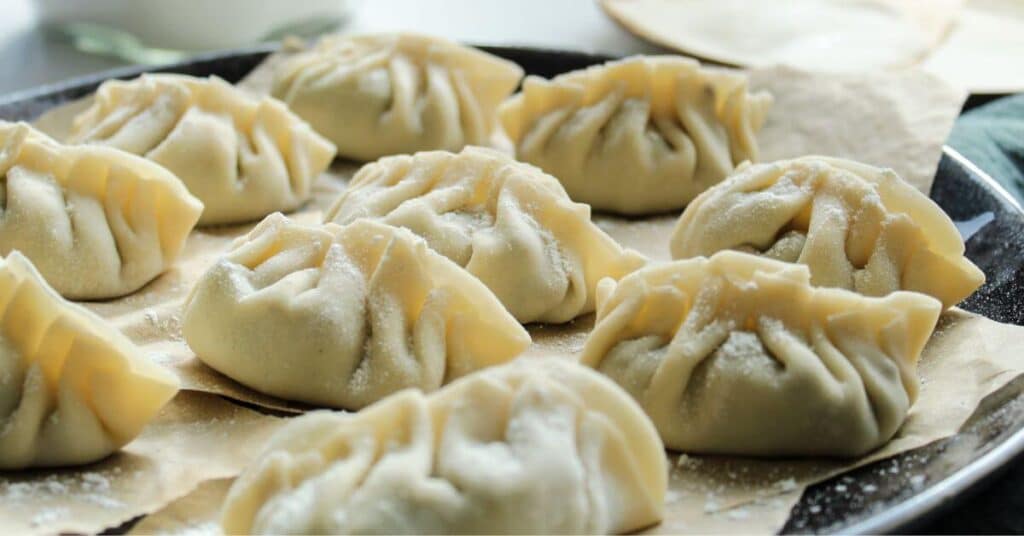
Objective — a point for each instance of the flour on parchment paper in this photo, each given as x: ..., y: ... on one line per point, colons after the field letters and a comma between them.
x: 195, y: 438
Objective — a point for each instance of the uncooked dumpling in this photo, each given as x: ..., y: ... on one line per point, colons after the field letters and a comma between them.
x: 538, y: 446
x: 344, y: 316
x: 243, y: 157
x: 637, y: 136
x: 856, y: 226
x: 739, y: 354
x: 377, y: 95
x: 72, y: 389
x: 97, y: 222
x: 508, y: 223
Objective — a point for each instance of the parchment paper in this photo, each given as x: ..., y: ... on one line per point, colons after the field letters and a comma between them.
x: 894, y: 119
x: 904, y: 124
x: 968, y: 358
x: 197, y: 437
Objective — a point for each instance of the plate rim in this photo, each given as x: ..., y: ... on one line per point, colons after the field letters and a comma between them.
x: 896, y: 517
x: 941, y: 495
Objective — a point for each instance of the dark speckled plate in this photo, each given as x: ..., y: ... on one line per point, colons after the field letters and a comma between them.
x: 893, y: 495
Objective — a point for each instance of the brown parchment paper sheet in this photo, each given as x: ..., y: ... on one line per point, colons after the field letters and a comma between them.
x: 968, y: 357
x: 195, y: 438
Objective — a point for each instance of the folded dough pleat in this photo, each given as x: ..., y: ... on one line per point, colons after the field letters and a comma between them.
x: 508, y: 223
x: 97, y: 222
x: 243, y: 157
x: 343, y: 316
x: 855, y: 226
x: 641, y: 135
x: 739, y: 354
x: 384, y: 94
x: 537, y: 446
x: 72, y: 390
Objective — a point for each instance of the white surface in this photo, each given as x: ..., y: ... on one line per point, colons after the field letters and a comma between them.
x: 29, y: 58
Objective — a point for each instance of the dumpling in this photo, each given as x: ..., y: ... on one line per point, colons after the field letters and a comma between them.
x: 97, y: 222
x: 637, y: 136
x: 855, y: 226
x: 72, y: 389
x: 243, y: 157
x: 537, y: 446
x: 508, y: 223
x: 343, y: 316
x: 377, y: 95
x: 739, y: 354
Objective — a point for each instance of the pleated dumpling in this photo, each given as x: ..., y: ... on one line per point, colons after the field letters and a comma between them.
x: 343, y: 316
x: 508, y: 223
x: 377, y: 95
x: 243, y: 157
x: 739, y: 354
x: 637, y: 136
x: 537, y: 446
x: 72, y: 389
x: 98, y: 223
x: 855, y: 226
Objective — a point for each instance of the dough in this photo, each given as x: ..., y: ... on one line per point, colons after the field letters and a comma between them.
x: 856, y: 226
x: 637, y: 136
x: 383, y: 94
x: 343, y: 316
x: 98, y: 223
x: 537, y: 446
x: 740, y: 355
x: 243, y: 157
x: 73, y: 389
x: 508, y: 223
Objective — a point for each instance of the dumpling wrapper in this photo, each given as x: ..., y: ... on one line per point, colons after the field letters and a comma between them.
x: 532, y: 447
x: 383, y: 94
x: 73, y: 389
x: 984, y: 48
x: 343, y: 316
x: 740, y: 355
x: 855, y: 226
x: 507, y: 223
x: 97, y: 222
x: 243, y: 157
x: 641, y: 135
x: 821, y: 35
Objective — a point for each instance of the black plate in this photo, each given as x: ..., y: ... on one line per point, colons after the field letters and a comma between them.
x: 904, y: 490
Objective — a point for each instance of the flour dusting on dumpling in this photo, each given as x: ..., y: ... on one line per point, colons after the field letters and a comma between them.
x: 98, y: 223
x: 855, y: 226
x: 740, y: 354
x: 637, y: 136
x: 537, y: 446
x: 508, y: 223
x: 73, y: 389
x: 382, y: 94
x: 243, y: 157
x: 344, y: 316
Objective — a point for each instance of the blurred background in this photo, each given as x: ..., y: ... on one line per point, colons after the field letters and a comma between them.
x: 44, y: 41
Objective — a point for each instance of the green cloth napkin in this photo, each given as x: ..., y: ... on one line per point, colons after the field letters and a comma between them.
x: 992, y: 136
